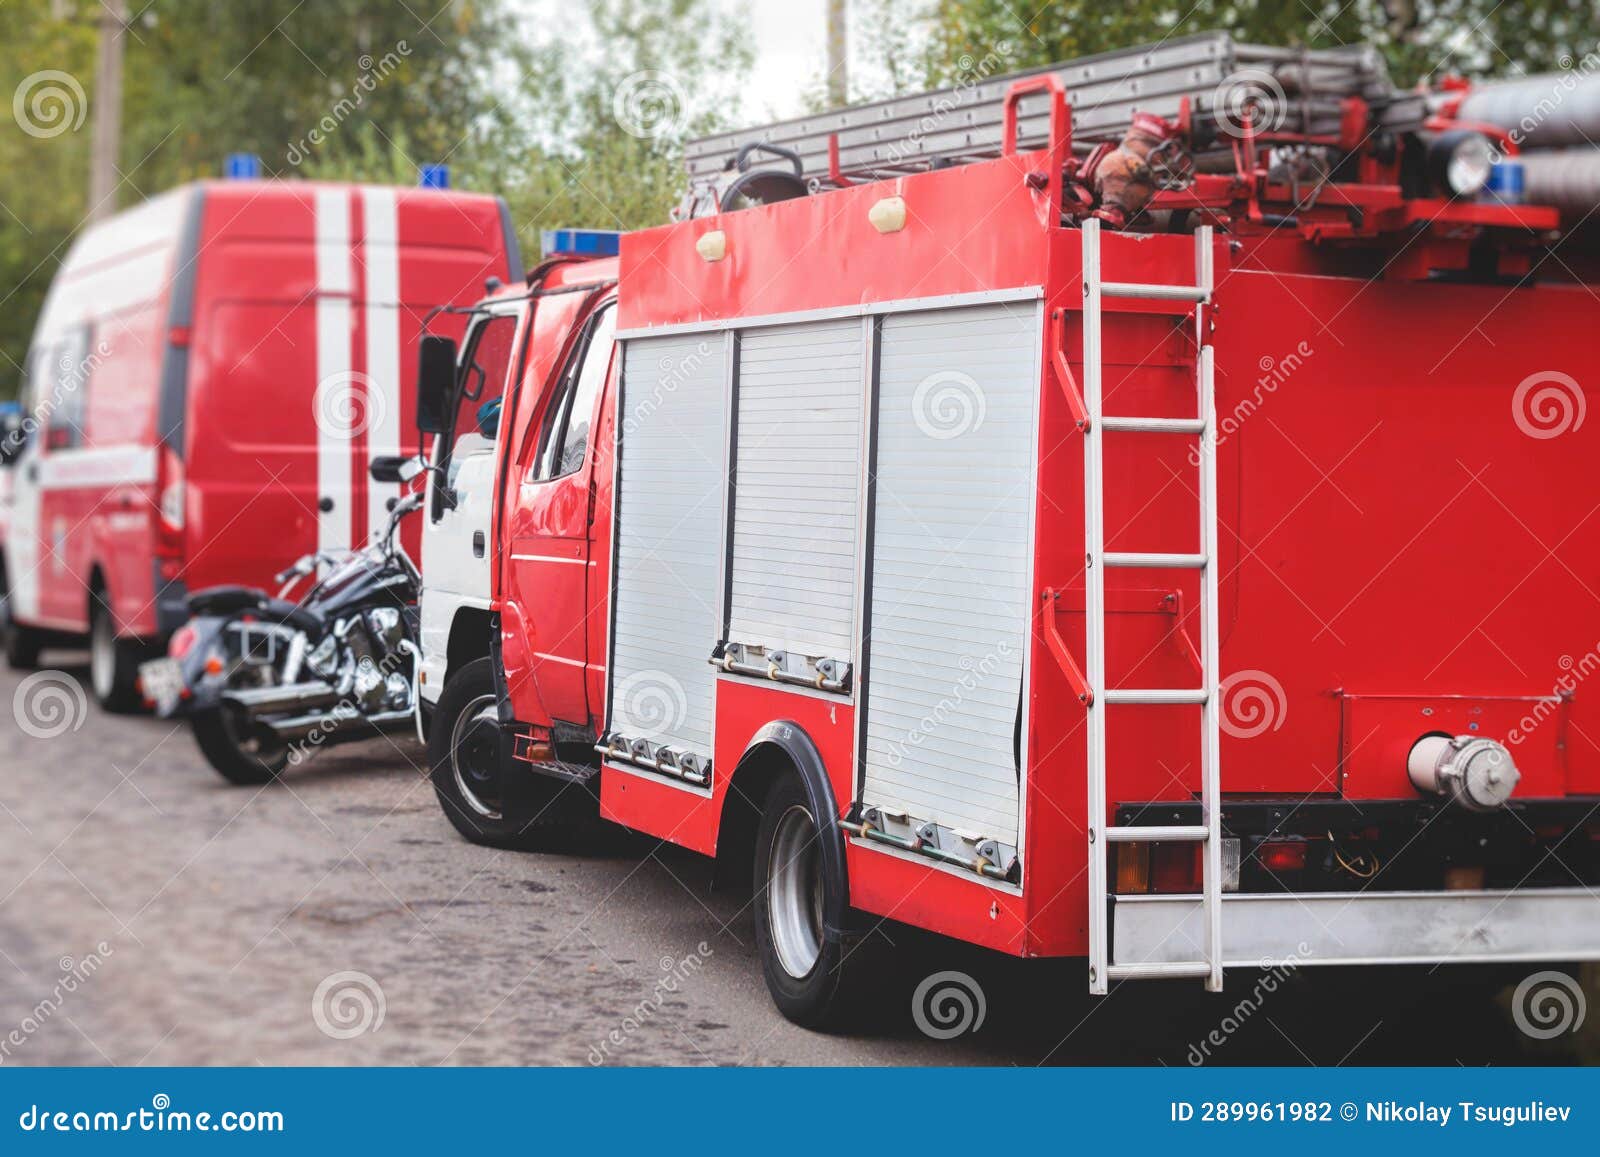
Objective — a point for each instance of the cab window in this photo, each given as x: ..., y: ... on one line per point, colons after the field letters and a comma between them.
x: 564, y: 443
x: 483, y: 380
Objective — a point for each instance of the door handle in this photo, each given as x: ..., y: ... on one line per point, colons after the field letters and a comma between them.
x: 477, y: 544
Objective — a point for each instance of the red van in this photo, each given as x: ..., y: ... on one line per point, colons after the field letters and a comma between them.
x: 210, y: 376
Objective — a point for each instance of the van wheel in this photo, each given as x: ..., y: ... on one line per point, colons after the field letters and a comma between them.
x: 113, y: 662
x: 237, y: 757
x: 22, y: 647
x: 464, y: 753
x: 814, y: 972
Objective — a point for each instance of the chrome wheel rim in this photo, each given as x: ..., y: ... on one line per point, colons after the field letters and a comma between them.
x: 102, y: 655
x: 475, y: 756
x: 794, y: 893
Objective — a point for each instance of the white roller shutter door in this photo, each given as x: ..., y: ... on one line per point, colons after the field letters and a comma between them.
x: 666, y: 613
x: 951, y: 563
x: 798, y: 466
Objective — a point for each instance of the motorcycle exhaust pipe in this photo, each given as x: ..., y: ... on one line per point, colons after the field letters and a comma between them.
x: 343, y: 723
x: 298, y: 697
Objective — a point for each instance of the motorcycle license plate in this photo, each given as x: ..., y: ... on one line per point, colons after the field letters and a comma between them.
x: 161, y: 682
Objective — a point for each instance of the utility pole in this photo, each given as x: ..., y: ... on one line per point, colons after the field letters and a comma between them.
x: 838, y: 55
x: 106, y: 141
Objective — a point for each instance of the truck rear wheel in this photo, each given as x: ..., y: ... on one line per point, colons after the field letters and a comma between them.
x: 464, y: 755
x: 113, y: 662
x: 814, y: 972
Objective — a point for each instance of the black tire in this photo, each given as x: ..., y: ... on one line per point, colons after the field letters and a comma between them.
x: 233, y: 758
x: 113, y: 662
x: 830, y: 991
x: 464, y: 755
x: 23, y: 646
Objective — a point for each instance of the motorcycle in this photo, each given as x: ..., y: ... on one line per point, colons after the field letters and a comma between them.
x: 266, y: 679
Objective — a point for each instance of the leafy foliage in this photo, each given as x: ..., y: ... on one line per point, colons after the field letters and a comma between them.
x: 1423, y: 39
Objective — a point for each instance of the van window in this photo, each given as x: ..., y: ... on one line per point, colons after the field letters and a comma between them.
x: 66, y: 382
x: 566, y: 434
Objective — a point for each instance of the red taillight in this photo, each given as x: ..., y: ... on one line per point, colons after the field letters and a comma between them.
x: 1283, y: 855
x: 182, y: 642
x: 1175, y: 868
x: 170, y: 502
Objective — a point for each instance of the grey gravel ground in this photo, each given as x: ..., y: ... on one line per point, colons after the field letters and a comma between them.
x: 151, y: 914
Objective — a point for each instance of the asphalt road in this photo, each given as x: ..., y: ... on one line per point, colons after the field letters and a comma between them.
x: 150, y: 914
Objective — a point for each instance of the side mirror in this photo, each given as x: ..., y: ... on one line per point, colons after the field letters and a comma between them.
x: 436, y: 383
x: 394, y: 468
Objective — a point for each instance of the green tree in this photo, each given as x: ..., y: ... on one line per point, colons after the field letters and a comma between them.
x: 357, y: 88
x: 605, y: 127
x: 1422, y: 39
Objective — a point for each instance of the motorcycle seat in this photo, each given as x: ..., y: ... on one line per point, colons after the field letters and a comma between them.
x: 227, y: 600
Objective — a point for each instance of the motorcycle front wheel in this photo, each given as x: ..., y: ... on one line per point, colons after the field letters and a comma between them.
x: 241, y: 754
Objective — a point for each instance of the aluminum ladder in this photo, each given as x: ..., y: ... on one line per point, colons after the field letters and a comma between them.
x: 1102, y: 698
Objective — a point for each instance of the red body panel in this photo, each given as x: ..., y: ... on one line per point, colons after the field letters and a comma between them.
x: 1403, y: 549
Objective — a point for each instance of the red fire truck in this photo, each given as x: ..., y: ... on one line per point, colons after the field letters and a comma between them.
x: 1165, y: 543
x: 210, y: 375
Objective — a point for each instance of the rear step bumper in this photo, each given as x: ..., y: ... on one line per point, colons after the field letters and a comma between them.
x: 1295, y: 929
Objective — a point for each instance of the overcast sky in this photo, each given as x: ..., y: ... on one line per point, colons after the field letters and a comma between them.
x: 788, y: 36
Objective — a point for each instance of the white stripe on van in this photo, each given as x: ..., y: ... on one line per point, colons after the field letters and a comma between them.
x: 382, y: 252
x: 98, y: 466
x: 335, y: 381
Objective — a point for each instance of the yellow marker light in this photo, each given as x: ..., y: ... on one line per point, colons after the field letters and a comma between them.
x: 888, y: 215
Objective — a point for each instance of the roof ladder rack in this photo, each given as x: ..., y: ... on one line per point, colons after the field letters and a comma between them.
x: 1101, y: 698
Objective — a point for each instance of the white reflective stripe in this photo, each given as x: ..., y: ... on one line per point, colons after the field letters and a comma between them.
x: 382, y: 254
x: 102, y: 466
x: 331, y: 408
x: 333, y: 241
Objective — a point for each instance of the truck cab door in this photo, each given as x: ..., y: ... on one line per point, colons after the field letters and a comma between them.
x: 550, y: 556
x: 455, y: 538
